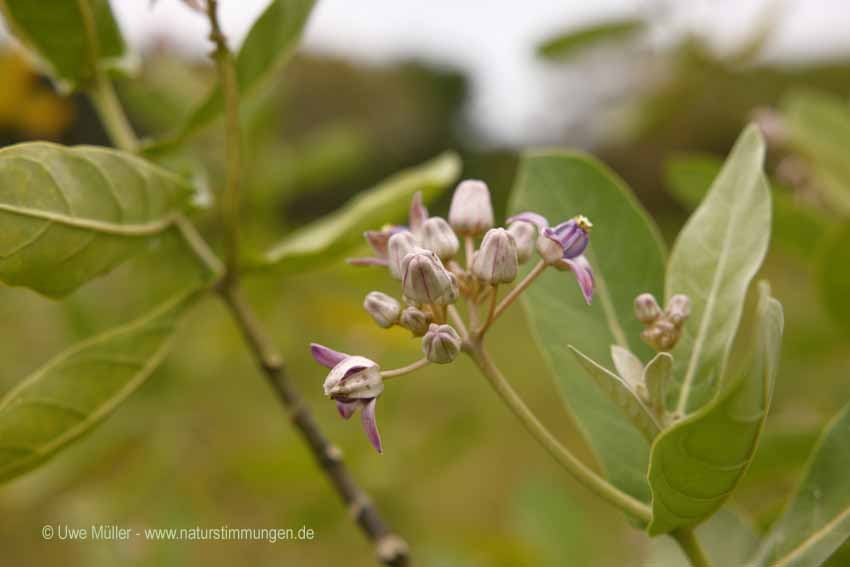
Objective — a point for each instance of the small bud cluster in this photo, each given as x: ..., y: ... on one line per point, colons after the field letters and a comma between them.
x: 423, y: 258
x: 662, y: 329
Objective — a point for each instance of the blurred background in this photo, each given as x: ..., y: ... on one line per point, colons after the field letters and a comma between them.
x: 657, y: 89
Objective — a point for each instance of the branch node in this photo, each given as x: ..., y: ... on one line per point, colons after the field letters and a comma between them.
x: 392, y: 550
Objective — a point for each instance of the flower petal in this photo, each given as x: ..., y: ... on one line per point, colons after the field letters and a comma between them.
x: 353, y: 370
x: 347, y: 409
x: 367, y: 261
x: 370, y: 425
x: 418, y: 212
x: 378, y: 239
x: 584, y: 275
x: 325, y: 356
x: 536, y: 219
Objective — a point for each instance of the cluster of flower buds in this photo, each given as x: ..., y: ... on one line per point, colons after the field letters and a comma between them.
x: 422, y: 256
x: 662, y: 328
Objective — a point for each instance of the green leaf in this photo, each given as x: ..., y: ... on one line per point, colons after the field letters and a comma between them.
x: 268, y: 47
x: 567, y: 45
x: 621, y: 394
x: 698, y: 462
x: 797, y: 227
x: 627, y: 256
x: 817, y: 519
x: 658, y: 378
x: 79, y: 388
x: 628, y: 366
x: 332, y: 236
x: 71, y: 214
x: 833, y: 275
x: 57, y: 30
x: 715, y: 257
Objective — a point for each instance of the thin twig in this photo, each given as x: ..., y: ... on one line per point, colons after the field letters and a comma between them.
x: 519, y: 288
x: 691, y: 546
x: 412, y: 367
x: 491, y: 312
x: 391, y: 549
x: 458, y: 321
x: 101, y: 90
x: 230, y: 206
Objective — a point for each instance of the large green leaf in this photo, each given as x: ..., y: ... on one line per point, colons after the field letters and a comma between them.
x: 714, y: 259
x: 332, y: 236
x: 564, y: 46
x: 70, y: 214
x: 627, y: 256
x: 76, y: 390
x: 833, y: 271
x: 797, y: 227
x: 58, y: 31
x: 698, y: 462
x: 268, y: 47
x: 817, y: 519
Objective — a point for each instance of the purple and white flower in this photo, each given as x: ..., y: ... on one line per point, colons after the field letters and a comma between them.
x: 354, y: 382
x: 563, y: 246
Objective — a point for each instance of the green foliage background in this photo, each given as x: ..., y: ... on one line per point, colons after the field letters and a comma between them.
x: 204, y: 442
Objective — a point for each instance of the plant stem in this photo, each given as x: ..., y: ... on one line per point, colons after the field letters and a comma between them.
x: 565, y: 458
x: 102, y: 92
x: 519, y: 288
x: 491, y: 312
x: 690, y: 545
x: 458, y: 321
x: 227, y: 78
x: 112, y: 115
x: 199, y: 246
x: 413, y: 367
x: 391, y: 549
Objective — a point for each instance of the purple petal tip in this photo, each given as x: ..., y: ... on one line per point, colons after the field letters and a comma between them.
x: 325, y: 356
x: 371, y: 426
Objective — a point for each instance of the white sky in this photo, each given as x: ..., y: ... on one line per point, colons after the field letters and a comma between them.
x: 493, y: 40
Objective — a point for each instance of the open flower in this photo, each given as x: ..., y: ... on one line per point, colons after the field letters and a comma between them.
x: 379, y: 239
x: 563, y: 246
x: 354, y: 382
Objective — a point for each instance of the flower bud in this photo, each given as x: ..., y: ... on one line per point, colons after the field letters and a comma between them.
x: 661, y: 335
x: 496, y: 261
x: 678, y: 309
x: 523, y: 233
x: 471, y: 213
x: 424, y: 279
x: 647, y: 309
x: 415, y: 321
x: 438, y: 236
x: 452, y: 293
x: 384, y: 309
x: 441, y: 344
x: 354, y: 378
x: 399, y: 246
